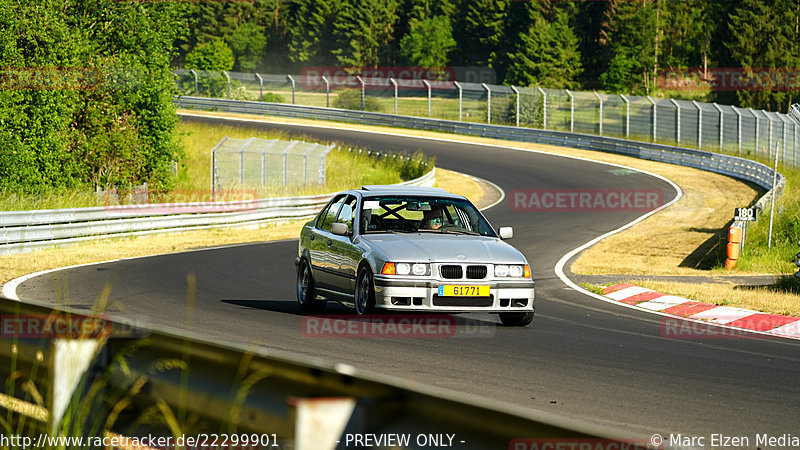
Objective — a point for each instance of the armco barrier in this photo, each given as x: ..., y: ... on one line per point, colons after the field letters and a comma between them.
x: 22, y: 231
x: 733, y: 166
x: 137, y: 382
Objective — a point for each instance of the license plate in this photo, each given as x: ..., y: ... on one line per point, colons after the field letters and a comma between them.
x: 451, y: 290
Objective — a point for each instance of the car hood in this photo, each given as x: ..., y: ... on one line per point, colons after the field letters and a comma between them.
x: 431, y: 247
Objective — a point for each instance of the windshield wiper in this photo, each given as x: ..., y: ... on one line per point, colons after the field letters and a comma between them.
x: 462, y: 231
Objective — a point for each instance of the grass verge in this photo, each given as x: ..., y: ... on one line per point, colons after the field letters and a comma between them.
x: 14, y: 266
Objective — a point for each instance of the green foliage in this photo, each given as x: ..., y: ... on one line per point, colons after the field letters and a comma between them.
x: 428, y: 42
x: 546, y: 55
x: 98, y: 107
x: 363, y: 30
x: 414, y: 166
x: 484, y: 27
x: 531, y: 111
x: 247, y: 43
x: 351, y: 99
x: 310, y: 29
x: 212, y: 55
x: 765, y: 35
x: 271, y: 97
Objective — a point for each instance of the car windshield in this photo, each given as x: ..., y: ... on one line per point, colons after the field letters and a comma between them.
x: 386, y: 214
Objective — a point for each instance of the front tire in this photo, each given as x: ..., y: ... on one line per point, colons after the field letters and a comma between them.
x: 306, y: 291
x: 364, y: 297
x: 516, y: 319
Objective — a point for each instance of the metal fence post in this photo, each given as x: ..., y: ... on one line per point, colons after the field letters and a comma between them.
x: 394, y: 83
x: 428, y: 85
x: 363, y: 90
x: 260, y: 87
x: 738, y: 128
x: 241, y: 166
x: 264, y: 168
x: 769, y: 141
x: 677, y: 121
x: 516, y: 91
x: 460, y: 96
x: 544, y: 107
x: 195, y: 80
x: 785, y: 136
x: 327, y: 92
x: 721, y: 125
x: 600, y: 122
x: 699, y: 124
x: 655, y: 117
x: 292, y: 81
x: 228, y: 77
x: 488, y: 103
x: 627, y: 116
x: 571, y: 110
x: 758, y: 126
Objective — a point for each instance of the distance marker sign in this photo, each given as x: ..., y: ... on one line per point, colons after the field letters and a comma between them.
x: 747, y: 214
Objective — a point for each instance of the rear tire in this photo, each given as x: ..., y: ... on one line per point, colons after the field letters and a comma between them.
x: 364, y: 296
x: 516, y: 319
x: 306, y: 291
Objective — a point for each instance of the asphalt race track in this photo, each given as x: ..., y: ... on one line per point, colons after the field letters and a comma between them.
x: 580, y: 358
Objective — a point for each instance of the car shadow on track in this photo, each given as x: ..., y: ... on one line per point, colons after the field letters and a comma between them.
x: 338, y: 309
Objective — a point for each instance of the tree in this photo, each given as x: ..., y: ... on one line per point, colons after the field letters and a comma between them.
x: 484, y: 31
x: 97, y: 110
x: 631, y: 44
x: 428, y: 42
x: 765, y: 36
x: 363, y: 32
x: 247, y: 43
x: 212, y: 55
x: 546, y: 54
x: 311, y: 27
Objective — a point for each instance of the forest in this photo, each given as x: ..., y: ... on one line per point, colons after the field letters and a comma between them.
x: 618, y: 46
x: 88, y: 85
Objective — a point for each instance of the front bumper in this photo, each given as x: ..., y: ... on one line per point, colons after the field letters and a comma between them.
x: 414, y: 294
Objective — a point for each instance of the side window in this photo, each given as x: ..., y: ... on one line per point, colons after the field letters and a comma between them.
x: 329, y: 215
x: 346, y: 214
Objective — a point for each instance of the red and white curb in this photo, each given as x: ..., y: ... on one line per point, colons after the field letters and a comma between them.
x: 738, y: 318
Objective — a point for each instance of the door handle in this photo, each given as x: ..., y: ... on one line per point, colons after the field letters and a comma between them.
x: 330, y: 242
x: 312, y: 237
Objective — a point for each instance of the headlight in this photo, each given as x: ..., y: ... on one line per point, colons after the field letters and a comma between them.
x: 514, y: 270
x: 418, y: 269
x: 501, y: 270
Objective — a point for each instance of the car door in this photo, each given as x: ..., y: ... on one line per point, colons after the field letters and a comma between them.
x: 344, y: 253
x: 322, y: 260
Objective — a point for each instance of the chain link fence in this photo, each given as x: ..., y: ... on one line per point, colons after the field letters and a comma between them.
x: 708, y: 126
x: 254, y: 163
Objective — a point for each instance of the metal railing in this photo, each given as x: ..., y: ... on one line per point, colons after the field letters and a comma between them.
x: 23, y: 231
x: 709, y: 126
x: 134, y: 381
x: 742, y: 168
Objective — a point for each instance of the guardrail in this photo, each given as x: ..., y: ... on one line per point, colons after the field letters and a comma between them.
x: 742, y: 168
x: 120, y: 379
x: 22, y: 231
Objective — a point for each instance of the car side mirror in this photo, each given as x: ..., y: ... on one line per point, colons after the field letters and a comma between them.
x: 339, y: 229
x: 506, y: 232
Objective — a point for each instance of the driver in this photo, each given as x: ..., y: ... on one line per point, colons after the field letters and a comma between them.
x: 432, y: 219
